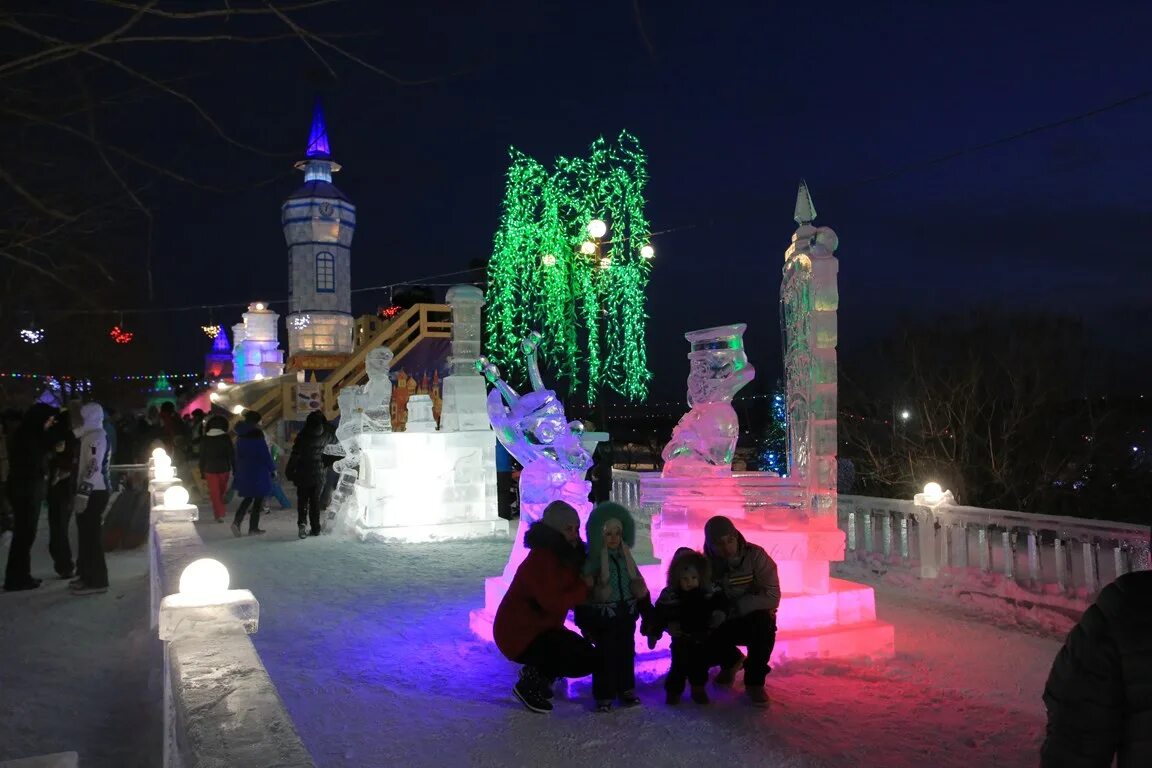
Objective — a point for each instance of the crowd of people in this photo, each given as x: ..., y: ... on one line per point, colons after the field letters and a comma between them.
x: 63, y: 460
x: 715, y: 601
x: 57, y: 458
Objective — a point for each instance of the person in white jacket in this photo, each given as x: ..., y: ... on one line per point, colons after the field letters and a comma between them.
x: 91, y: 499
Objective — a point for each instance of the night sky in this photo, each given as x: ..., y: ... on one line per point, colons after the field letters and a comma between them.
x: 734, y: 103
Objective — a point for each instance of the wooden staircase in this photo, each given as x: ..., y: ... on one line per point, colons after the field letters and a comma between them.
x: 401, y: 334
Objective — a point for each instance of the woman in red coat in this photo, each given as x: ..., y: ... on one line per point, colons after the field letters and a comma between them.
x: 529, y: 627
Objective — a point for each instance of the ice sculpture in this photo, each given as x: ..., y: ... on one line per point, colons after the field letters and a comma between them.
x: 792, y: 517
x: 364, y: 412
x: 704, y: 440
x: 535, y: 430
x: 256, y: 352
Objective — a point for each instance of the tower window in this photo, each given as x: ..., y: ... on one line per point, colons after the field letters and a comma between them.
x: 325, y: 272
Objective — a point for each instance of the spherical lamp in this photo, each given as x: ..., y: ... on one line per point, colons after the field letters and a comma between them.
x: 597, y: 228
x: 204, y: 577
x: 176, y: 496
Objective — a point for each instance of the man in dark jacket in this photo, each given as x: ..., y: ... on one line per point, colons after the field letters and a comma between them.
x: 1099, y: 692
x: 751, y: 586
x: 27, y: 484
x: 307, y: 467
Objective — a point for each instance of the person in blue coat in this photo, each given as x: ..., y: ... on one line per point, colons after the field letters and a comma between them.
x: 254, y: 472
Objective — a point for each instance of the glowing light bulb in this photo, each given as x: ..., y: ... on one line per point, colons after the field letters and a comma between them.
x: 587, y: 247
x: 176, y: 496
x: 933, y: 492
x: 163, y: 460
x: 237, y: 409
x: 158, y: 452
x: 204, y: 577
x: 647, y: 252
x: 597, y: 228
x: 548, y: 260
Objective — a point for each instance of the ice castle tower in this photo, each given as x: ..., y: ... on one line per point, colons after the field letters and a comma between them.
x: 319, y: 221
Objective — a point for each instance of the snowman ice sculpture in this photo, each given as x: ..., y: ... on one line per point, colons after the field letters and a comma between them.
x: 533, y: 428
x: 704, y: 439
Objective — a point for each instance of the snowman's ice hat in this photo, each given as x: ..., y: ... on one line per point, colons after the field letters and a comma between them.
x: 719, y: 337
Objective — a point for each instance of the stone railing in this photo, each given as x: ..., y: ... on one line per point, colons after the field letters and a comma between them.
x: 1054, y: 555
x: 1066, y: 556
x: 220, y: 706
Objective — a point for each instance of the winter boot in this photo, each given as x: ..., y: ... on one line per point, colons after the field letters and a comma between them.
x: 603, y: 705
x: 630, y: 699
x: 302, y: 531
x: 700, y: 694
x: 527, y: 690
x: 758, y: 696
x: 727, y: 675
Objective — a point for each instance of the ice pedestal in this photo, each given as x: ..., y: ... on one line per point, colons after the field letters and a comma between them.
x: 427, y: 486
x: 200, y: 615
x: 180, y: 513
x: 819, y: 616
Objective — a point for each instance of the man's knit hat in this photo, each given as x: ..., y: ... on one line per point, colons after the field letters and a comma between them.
x: 716, y: 527
x: 560, y: 514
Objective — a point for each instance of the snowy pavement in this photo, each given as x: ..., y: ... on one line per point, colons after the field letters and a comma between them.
x: 369, y: 647
x: 81, y: 673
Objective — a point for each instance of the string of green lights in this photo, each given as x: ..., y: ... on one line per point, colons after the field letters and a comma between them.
x: 554, y: 269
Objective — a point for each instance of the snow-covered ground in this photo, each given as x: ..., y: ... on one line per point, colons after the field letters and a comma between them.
x: 369, y: 647
x: 81, y: 673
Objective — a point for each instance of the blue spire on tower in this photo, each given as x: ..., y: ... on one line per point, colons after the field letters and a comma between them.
x: 220, y: 343
x: 318, y: 136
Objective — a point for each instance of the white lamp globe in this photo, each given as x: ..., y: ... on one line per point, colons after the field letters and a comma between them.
x: 158, y: 452
x: 647, y: 252
x: 237, y: 409
x: 587, y: 247
x: 163, y: 460
x: 597, y: 228
x: 165, y: 472
x: 176, y: 496
x: 204, y: 577
x: 933, y: 492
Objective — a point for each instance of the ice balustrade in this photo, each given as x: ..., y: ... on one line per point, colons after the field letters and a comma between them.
x: 1071, y: 555
x: 1044, y: 553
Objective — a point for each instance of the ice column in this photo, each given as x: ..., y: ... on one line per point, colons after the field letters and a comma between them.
x: 809, y: 298
x: 464, y: 406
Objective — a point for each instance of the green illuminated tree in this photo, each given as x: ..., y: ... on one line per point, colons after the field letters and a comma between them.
x: 585, y: 294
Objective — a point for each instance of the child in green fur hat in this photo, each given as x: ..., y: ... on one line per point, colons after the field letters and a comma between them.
x: 617, y: 598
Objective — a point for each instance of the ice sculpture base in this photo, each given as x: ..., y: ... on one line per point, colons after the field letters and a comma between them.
x: 427, y: 486
x: 184, y: 513
x: 838, y: 623
x: 819, y: 616
x: 183, y: 615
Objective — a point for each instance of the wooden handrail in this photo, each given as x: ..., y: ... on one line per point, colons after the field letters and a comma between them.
x: 401, y: 336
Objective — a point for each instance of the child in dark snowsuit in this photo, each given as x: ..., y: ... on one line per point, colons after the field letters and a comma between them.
x: 689, y: 608
x: 618, y: 597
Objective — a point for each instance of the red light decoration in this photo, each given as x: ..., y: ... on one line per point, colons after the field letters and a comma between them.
x: 121, y: 336
x: 390, y: 312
